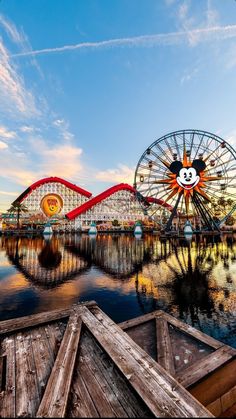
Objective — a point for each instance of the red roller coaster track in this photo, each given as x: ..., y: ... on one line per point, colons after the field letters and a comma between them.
x: 108, y: 192
x: 49, y: 180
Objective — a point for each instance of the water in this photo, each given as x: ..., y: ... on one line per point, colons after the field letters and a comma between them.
x: 194, y: 280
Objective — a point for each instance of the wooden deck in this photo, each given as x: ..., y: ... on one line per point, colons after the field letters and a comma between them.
x: 79, y: 363
x: 203, y: 365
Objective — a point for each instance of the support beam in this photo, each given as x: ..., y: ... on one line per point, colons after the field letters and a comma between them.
x: 173, y: 213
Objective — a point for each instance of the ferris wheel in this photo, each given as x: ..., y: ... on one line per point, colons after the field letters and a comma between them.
x: 190, y: 172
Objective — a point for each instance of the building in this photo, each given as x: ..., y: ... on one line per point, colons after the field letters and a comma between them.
x: 70, y: 207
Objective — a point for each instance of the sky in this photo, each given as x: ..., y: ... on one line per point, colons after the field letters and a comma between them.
x: 87, y: 85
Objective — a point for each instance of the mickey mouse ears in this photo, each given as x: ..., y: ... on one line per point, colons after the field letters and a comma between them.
x: 198, y: 165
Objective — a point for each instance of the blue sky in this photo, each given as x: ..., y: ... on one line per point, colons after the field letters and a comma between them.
x: 87, y: 85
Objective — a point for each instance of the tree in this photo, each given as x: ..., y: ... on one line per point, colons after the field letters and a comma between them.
x: 17, y: 208
x: 222, y: 202
x: 230, y: 221
x: 230, y: 202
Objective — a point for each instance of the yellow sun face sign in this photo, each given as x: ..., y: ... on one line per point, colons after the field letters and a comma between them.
x: 51, y: 204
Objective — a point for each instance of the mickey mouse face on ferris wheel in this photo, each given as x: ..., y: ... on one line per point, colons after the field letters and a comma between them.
x: 187, y: 177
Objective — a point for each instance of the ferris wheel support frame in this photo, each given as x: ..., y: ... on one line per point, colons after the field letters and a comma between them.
x: 172, y: 215
x: 209, y: 221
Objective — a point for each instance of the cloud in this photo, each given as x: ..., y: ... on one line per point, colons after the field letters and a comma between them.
x: 121, y: 174
x: 63, y: 160
x: 4, y: 133
x: 63, y: 127
x: 192, y: 22
x: 3, y: 145
x: 58, y: 122
x: 27, y: 128
x: 172, y: 38
x: 11, y: 30
x: 13, y: 93
x: 189, y: 75
x: 18, y: 37
x: 183, y: 10
x: 9, y: 193
x: 231, y: 138
x: 18, y: 175
x: 212, y: 15
x: 15, y: 97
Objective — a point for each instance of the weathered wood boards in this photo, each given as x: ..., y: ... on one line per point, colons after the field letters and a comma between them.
x: 28, y: 349
x: 197, y: 361
x: 55, y: 397
x: 79, y: 363
x: 98, y: 388
x: 217, y: 391
x: 132, y: 372
x: 29, y: 357
x: 164, y: 349
x: 33, y: 320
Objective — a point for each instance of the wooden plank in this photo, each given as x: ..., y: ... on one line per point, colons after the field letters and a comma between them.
x: 231, y: 412
x: 133, y: 406
x: 8, y: 397
x: 20, y: 323
x: 54, y: 401
x: 1, y: 372
x: 80, y: 404
x: 215, y: 407
x: 27, y: 397
x: 139, y: 320
x: 54, y: 336
x: 204, y: 366
x: 215, y: 384
x: 164, y: 349
x: 228, y: 399
x: 103, y: 397
x: 186, y: 328
x: 42, y: 356
x: 147, y: 377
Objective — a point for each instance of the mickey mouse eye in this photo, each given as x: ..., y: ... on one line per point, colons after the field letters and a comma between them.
x: 183, y: 173
x: 192, y: 173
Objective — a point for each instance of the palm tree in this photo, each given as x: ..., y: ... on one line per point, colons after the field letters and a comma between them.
x: 222, y: 202
x: 17, y: 208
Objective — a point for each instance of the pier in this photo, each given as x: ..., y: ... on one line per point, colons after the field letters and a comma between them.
x: 79, y: 363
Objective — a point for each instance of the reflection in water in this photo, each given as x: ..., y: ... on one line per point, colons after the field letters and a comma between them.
x: 49, y: 257
x: 118, y: 255
x: 45, y: 262
x: 194, y: 280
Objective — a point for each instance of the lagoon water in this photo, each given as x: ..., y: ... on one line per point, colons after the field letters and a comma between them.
x: 194, y: 279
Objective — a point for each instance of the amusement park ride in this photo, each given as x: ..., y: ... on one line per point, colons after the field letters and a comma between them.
x: 190, y: 170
